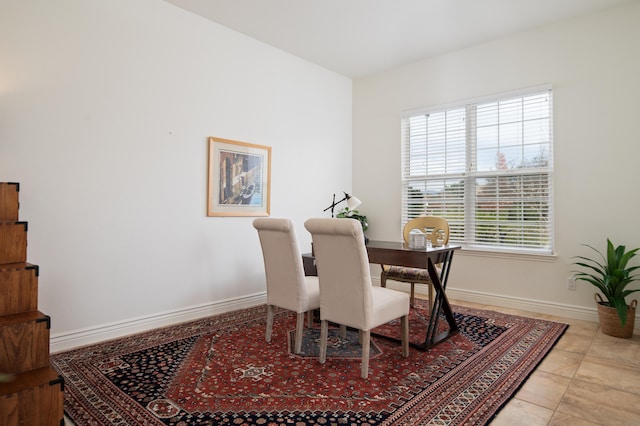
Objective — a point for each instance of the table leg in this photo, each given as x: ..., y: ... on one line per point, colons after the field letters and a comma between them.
x: 440, y: 303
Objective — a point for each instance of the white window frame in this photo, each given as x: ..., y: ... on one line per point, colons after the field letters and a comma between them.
x: 536, y: 236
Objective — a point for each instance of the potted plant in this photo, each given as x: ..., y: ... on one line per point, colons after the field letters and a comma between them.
x: 354, y: 214
x: 612, y: 275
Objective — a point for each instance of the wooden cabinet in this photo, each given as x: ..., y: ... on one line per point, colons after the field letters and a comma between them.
x: 34, y: 393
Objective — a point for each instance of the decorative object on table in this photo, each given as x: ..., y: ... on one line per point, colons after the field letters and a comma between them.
x: 436, y: 231
x: 347, y: 213
x: 217, y: 370
x: 239, y: 178
x: 611, y: 276
x: 417, y: 239
x: 352, y: 202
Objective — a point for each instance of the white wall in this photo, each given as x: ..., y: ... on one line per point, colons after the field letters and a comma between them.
x: 594, y: 66
x: 105, y: 110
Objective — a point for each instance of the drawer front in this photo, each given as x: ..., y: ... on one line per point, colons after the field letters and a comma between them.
x: 13, y: 242
x: 34, y: 398
x: 18, y: 289
x: 9, y: 203
x: 24, y: 344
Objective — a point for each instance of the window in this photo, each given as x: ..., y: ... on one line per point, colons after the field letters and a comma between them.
x: 485, y: 166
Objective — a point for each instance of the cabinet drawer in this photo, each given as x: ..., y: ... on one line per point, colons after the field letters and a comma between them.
x: 13, y: 242
x: 18, y: 288
x: 33, y: 398
x: 9, y: 203
x: 24, y: 342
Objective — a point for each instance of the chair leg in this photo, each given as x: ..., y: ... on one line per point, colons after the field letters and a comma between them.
x: 366, y: 343
x: 324, y: 334
x: 310, y: 318
x: 343, y: 331
x: 404, y: 324
x: 299, y: 330
x: 383, y: 280
x: 413, y: 295
x: 269, y: 322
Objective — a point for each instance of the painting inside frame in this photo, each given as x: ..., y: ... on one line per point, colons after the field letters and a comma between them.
x: 239, y: 178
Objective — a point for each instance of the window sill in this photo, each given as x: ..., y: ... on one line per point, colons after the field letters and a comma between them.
x: 508, y: 255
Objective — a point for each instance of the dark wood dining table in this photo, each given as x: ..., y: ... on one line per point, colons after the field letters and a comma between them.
x: 398, y: 253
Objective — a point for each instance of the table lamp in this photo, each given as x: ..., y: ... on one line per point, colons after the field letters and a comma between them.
x: 352, y: 202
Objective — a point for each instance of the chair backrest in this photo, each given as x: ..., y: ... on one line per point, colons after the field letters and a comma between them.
x: 435, y: 228
x: 343, y: 271
x: 282, y: 263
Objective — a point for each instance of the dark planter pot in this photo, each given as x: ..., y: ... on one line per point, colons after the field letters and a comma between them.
x: 610, y: 321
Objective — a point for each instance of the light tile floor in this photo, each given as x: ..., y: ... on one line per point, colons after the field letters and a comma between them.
x: 587, y: 379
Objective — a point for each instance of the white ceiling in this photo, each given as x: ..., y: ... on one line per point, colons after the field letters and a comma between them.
x: 360, y: 37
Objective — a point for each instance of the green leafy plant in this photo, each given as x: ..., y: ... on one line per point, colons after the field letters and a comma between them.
x: 354, y: 214
x: 611, y: 275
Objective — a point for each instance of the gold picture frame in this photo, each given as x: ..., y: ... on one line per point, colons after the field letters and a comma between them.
x: 239, y: 178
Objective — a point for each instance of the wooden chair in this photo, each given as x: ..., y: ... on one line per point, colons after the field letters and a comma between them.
x: 437, y: 231
x: 347, y: 296
x: 287, y: 286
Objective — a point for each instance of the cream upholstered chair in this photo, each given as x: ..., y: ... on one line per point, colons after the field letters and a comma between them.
x: 287, y: 286
x: 347, y: 296
x: 437, y: 231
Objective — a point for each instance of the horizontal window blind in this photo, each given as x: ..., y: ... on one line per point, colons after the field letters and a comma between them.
x: 486, y: 167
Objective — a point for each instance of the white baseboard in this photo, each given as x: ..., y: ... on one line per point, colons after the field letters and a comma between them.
x: 537, y: 306
x: 74, y: 339
x: 530, y: 305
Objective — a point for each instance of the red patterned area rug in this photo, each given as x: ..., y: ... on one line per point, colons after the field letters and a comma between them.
x: 220, y: 371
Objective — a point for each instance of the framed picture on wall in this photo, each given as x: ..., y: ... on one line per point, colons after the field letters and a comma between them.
x: 239, y: 178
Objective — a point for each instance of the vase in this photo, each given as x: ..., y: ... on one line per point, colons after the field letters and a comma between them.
x: 610, y: 321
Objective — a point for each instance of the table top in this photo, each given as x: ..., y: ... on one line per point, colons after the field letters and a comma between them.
x: 399, y: 253
x: 398, y: 245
